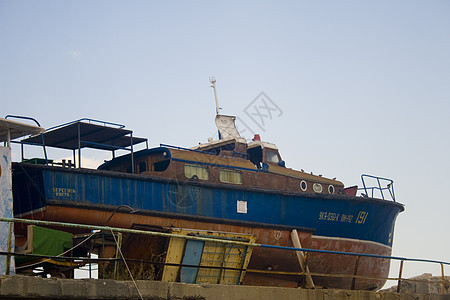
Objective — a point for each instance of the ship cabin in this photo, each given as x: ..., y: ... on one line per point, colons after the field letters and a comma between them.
x: 230, y: 162
x: 260, y: 153
x: 257, y: 151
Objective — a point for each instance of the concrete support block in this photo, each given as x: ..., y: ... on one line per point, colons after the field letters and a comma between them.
x: 350, y: 295
x: 308, y: 294
x: 215, y: 292
x: 106, y: 289
x: 154, y: 290
x: 28, y: 287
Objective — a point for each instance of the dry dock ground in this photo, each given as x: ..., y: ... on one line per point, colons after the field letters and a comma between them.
x: 25, y: 287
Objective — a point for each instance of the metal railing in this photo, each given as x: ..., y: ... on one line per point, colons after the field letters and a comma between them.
x: 42, y: 134
x: 90, y: 121
x: 354, y: 276
x: 382, y: 185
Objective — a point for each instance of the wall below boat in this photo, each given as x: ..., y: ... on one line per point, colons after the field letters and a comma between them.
x: 24, y: 287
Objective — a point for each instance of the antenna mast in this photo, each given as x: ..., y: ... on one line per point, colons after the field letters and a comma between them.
x: 213, y: 82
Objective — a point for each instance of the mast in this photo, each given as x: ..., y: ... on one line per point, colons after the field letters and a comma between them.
x: 225, y: 124
x: 213, y: 82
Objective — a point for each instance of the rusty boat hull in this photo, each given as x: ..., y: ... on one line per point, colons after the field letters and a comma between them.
x: 335, y: 223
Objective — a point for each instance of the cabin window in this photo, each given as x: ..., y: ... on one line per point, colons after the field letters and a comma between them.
x: 194, y: 170
x: 142, y: 167
x: 255, y: 156
x: 272, y: 156
x: 230, y: 176
x: 217, y: 150
x: 162, y: 165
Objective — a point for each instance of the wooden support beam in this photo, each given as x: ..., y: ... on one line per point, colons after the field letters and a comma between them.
x: 301, y: 259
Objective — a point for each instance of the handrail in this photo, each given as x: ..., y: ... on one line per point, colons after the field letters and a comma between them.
x: 183, y: 148
x: 120, y: 126
x: 226, y: 241
x: 220, y: 240
x: 354, y: 254
x: 37, y: 123
x: 200, y: 151
x: 388, y: 185
x: 25, y: 118
x: 106, y: 146
x: 121, y: 230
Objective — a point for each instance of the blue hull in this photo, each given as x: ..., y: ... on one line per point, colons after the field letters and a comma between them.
x: 333, y: 216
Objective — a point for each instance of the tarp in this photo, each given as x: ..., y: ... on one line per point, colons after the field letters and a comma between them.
x: 45, y: 241
x: 227, y: 127
x: 48, y: 241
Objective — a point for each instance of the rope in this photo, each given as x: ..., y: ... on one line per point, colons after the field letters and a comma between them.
x: 126, y: 265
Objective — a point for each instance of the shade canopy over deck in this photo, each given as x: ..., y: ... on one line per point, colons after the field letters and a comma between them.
x: 87, y: 133
x: 81, y: 134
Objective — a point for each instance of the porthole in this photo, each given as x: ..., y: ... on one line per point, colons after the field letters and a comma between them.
x: 331, y: 189
x: 303, y: 185
x: 317, y: 187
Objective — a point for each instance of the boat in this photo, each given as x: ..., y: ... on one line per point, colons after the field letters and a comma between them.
x: 228, y: 185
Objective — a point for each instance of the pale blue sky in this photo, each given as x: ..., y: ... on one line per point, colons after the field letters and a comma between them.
x: 363, y: 86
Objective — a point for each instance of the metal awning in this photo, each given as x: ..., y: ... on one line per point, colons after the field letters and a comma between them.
x: 87, y: 133
x: 16, y: 129
x: 80, y: 134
